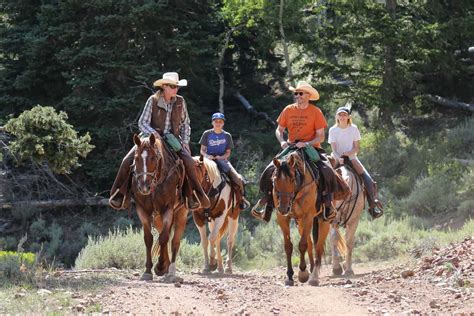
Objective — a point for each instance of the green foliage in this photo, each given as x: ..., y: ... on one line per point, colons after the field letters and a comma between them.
x: 44, y: 136
x: 119, y: 249
x: 15, y: 266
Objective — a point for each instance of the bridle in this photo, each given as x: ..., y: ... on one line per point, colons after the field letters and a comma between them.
x: 290, y: 194
x: 158, y: 157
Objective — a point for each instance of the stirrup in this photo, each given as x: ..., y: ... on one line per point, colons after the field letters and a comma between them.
x: 375, y: 213
x: 196, y: 205
x: 112, y: 201
x: 258, y: 211
x: 332, y: 214
x: 244, y: 204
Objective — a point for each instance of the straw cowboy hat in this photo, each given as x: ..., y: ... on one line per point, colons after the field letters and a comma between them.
x: 306, y: 87
x: 170, y: 78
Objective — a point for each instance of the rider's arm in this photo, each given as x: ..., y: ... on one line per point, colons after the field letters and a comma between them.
x: 355, y: 149
x: 145, y: 119
x: 204, y: 152
x: 224, y: 156
x: 185, y: 128
x: 279, y: 135
x: 319, y: 137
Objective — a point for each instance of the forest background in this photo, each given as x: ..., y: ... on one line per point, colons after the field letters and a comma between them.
x: 404, y: 67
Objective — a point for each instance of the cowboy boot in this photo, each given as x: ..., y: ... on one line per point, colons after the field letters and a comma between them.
x: 375, y: 207
x: 120, y: 193
x: 329, y: 212
x: 196, y: 188
x: 239, y: 186
x: 266, y: 187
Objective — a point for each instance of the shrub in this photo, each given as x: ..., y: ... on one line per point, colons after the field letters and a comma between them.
x: 15, y: 266
x: 43, y: 135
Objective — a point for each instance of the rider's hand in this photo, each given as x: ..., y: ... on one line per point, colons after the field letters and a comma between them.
x: 341, y: 161
x: 284, y: 144
x: 186, y: 148
x: 300, y: 144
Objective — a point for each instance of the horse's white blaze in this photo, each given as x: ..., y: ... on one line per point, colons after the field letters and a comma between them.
x: 144, y: 156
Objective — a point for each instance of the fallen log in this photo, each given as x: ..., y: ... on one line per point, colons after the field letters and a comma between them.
x: 99, y: 201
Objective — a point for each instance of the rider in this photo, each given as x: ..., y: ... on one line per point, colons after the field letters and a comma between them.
x: 216, y: 144
x: 305, y: 124
x: 164, y: 113
x: 344, y: 138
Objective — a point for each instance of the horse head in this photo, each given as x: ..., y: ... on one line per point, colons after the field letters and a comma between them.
x: 147, y: 163
x: 286, y: 180
x: 207, y: 172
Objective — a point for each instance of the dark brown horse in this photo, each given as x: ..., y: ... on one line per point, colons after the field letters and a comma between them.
x: 157, y: 186
x: 294, y: 195
x: 222, y: 217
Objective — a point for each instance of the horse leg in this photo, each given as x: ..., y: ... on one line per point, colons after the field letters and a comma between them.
x: 351, y: 228
x: 161, y: 268
x: 220, y: 265
x: 179, y: 226
x: 306, y: 224
x: 322, y: 232
x: 284, y: 223
x: 204, y: 243
x: 148, y: 238
x: 212, y: 257
x: 335, y: 255
x: 232, y: 230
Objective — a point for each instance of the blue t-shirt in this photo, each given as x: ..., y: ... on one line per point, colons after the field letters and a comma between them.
x: 216, y: 144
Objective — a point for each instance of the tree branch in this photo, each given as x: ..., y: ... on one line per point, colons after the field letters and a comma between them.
x: 253, y: 112
x: 449, y: 103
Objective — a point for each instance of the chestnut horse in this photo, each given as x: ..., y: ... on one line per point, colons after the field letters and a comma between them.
x: 349, y: 212
x: 156, y: 186
x: 294, y: 195
x: 222, y: 217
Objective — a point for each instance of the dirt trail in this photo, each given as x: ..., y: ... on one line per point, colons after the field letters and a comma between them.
x: 376, y: 289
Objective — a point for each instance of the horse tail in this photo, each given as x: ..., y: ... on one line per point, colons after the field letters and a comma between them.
x: 341, y: 243
x: 315, y: 230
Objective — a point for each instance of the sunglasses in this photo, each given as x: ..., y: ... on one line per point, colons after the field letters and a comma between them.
x: 172, y: 86
x: 299, y: 93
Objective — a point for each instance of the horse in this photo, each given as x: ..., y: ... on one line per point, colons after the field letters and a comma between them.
x: 349, y: 212
x: 294, y: 194
x: 222, y: 216
x: 156, y: 186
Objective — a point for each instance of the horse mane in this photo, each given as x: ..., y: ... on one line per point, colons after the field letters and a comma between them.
x: 213, y: 171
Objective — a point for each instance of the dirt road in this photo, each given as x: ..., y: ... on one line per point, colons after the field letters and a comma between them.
x: 376, y: 289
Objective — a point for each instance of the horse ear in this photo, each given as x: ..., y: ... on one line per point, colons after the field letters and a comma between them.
x: 292, y: 161
x: 276, y: 162
x: 152, y: 139
x: 136, y: 140
x: 201, y: 158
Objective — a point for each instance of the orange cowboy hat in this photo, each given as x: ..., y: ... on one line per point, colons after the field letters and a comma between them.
x: 306, y: 87
x: 170, y: 78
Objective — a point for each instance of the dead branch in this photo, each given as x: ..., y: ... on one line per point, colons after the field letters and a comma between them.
x: 259, y: 115
x: 449, y: 103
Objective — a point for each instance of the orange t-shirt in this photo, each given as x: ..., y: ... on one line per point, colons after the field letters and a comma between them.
x: 302, y: 124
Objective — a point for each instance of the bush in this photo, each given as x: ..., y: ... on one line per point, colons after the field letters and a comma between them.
x: 43, y: 135
x: 119, y: 249
x: 14, y: 266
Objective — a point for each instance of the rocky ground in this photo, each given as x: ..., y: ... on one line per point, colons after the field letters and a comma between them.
x: 439, y: 283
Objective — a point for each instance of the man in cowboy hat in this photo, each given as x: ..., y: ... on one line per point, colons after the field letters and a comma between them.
x: 164, y: 113
x: 305, y: 124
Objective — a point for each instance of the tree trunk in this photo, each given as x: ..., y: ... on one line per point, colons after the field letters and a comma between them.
x: 388, y: 75
x: 449, y: 103
x: 259, y: 115
x: 289, y: 74
x: 99, y: 201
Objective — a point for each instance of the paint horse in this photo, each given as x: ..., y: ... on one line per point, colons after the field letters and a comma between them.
x: 156, y: 186
x: 294, y: 195
x: 222, y: 216
x: 349, y: 212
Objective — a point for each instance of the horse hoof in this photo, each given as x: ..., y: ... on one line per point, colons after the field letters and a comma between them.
x: 337, y: 271
x: 213, y: 267
x: 206, y: 271
x: 146, y: 277
x: 349, y: 273
x: 160, y: 272
x: 313, y: 282
x: 228, y: 270
x: 221, y: 270
x: 289, y: 282
x: 303, y: 276
x: 175, y: 279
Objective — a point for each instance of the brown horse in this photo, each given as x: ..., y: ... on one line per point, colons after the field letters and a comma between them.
x: 294, y: 195
x: 349, y: 212
x: 156, y: 186
x: 222, y: 217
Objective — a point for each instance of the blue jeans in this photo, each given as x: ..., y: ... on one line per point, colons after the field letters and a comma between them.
x: 223, y: 165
